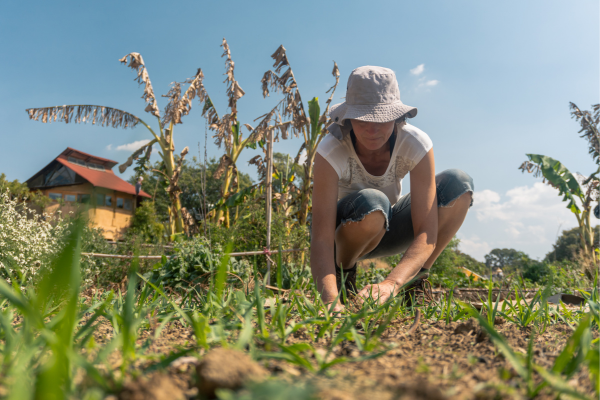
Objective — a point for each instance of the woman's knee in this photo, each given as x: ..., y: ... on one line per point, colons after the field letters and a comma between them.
x: 371, y: 208
x: 454, y: 184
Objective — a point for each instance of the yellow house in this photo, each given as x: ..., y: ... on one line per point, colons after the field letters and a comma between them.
x: 75, y: 178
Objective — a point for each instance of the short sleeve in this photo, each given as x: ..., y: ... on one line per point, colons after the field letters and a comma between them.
x: 414, y: 144
x: 332, y: 150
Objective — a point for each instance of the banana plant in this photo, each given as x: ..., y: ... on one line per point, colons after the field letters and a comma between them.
x: 574, y: 187
x: 228, y: 134
x: 312, y: 127
x: 179, y: 105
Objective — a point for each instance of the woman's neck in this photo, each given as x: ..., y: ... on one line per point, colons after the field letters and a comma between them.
x: 381, y: 153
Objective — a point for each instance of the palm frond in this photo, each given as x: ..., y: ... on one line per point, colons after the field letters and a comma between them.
x: 224, y: 163
x: 222, y: 127
x: 234, y: 91
x: 260, y: 166
x: 589, y: 126
x: 136, y: 62
x: 181, y: 105
x: 336, y: 75
x: 292, y: 107
x: 84, y: 113
x: 136, y: 154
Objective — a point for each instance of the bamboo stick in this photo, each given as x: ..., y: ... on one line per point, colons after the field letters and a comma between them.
x: 269, y: 183
x: 166, y: 246
x: 97, y: 255
x: 243, y: 253
x: 257, y: 253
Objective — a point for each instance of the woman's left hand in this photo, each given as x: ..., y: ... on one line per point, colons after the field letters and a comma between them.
x: 379, y: 292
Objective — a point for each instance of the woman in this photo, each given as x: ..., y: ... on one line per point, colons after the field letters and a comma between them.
x: 357, y: 208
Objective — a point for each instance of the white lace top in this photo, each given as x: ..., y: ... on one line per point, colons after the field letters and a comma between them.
x: 411, y: 146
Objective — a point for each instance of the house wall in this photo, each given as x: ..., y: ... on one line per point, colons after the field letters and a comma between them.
x: 113, y: 220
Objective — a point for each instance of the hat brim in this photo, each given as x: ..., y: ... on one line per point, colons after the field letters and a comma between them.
x: 371, y: 113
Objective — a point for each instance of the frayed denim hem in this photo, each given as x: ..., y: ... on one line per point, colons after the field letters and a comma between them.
x: 387, y: 222
x: 448, y: 203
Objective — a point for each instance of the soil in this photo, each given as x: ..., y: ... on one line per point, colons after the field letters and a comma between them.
x: 154, y: 387
x: 226, y: 369
x: 438, y: 361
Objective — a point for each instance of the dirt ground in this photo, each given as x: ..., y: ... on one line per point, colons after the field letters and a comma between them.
x: 438, y: 361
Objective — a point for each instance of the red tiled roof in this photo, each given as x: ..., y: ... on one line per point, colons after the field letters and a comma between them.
x: 104, y: 179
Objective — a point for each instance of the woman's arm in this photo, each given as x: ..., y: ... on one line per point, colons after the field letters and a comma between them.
x: 425, y: 226
x: 324, y: 209
x: 424, y: 213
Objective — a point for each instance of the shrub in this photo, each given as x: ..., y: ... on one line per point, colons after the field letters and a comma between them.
x: 250, y: 231
x: 193, y: 261
x: 146, y: 225
x: 27, y: 240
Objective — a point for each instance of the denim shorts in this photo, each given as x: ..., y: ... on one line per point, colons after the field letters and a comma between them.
x: 450, y: 185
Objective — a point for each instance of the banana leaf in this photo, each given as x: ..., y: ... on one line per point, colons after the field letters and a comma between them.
x: 561, y: 178
x: 314, y: 112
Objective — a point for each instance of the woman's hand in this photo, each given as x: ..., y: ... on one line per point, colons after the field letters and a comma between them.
x: 380, y: 292
x: 338, y: 309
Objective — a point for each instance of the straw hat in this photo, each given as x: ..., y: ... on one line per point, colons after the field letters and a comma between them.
x: 372, y: 95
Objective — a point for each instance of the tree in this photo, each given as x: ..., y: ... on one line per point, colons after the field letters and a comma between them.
x: 190, y: 182
x: 312, y: 126
x: 567, y: 246
x: 20, y: 192
x: 178, y: 106
x: 535, y: 271
x: 505, y: 259
x: 574, y: 187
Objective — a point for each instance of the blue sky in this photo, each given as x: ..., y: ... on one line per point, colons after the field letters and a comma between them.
x: 495, y: 82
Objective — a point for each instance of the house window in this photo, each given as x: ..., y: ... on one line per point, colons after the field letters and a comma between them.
x: 83, y: 198
x: 55, y: 196
x: 99, y: 199
x: 60, y: 176
x: 70, y: 197
x: 77, y: 161
x: 95, y: 166
x: 108, y: 201
x: 128, y: 204
x: 120, y: 202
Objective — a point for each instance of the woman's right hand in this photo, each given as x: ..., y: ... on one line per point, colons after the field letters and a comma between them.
x: 337, y: 309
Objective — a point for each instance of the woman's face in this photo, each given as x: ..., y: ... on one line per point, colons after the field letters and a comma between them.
x: 372, y: 135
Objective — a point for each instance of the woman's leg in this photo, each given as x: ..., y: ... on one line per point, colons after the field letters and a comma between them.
x: 450, y: 219
x: 355, y: 239
x: 362, y: 221
x: 454, y: 194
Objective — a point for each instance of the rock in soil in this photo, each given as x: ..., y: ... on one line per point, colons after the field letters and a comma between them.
x: 156, y: 387
x: 226, y: 369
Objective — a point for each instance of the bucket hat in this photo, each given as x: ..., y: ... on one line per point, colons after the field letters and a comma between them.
x: 372, y: 95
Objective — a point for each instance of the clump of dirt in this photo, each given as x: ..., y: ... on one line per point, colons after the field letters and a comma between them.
x: 419, y: 390
x: 334, y: 394
x: 156, y: 387
x: 471, y: 327
x: 226, y: 369
x: 466, y: 328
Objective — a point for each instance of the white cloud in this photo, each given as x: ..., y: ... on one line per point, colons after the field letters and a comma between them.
x: 526, y: 218
x: 132, y: 146
x: 432, y: 82
x: 109, y: 147
x: 418, y: 70
x: 474, y: 247
x: 302, y: 158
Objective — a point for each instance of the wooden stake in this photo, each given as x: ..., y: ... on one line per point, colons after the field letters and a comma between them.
x: 269, y: 198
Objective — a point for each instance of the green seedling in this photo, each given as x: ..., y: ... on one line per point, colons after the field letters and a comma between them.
x: 569, y: 361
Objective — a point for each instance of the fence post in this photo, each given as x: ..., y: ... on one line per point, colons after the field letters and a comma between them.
x: 269, y: 197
